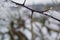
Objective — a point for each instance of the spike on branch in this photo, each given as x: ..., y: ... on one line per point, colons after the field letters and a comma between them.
x: 31, y: 14
x: 24, y: 2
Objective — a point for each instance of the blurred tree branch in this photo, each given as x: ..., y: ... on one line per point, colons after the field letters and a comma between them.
x: 12, y: 32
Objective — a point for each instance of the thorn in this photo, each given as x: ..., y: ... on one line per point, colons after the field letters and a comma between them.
x: 24, y: 2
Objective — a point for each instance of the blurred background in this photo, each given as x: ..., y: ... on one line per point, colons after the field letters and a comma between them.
x: 16, y: 22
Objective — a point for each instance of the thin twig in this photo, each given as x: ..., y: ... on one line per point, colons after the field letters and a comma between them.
x: 24, y: 2
x: 40, y: 12
x: 32, y: 26
x: 30, y: 8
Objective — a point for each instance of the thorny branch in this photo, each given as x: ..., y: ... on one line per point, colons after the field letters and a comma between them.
x: 40, y: 12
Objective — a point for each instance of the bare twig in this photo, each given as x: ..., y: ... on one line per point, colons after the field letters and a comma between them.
x: 32, y: 26
x: 24, y: 2
x: 30, y: 8
x: 40, y: 12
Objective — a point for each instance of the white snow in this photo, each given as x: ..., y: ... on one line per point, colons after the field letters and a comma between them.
x: 4, y: 29
x: 53, y: 26
x: 54, y: 34
x: 44, y: 31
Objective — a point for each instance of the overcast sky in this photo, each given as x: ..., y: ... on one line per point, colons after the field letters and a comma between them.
x: 29, y: 2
